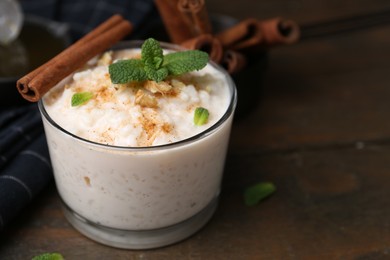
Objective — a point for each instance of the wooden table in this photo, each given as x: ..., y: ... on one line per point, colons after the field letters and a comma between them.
x: 320, y: 131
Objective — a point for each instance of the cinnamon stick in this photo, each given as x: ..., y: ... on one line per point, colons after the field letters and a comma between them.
x: 206, y: 43
x: 233, y: 61
x: 173, y: 21
x: 35, y: 84
x: 195, y: 14
x: 241, y: 36
x: 115, y: 19
x: 278, y: 31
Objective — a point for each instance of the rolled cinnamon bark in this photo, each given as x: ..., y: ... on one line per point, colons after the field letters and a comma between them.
x: 174, y: 23
x: 278, y: 31
x: 112, y: 21
x: 206, y: 43
x: 241, y: 36
x: 35, y: 84
x: 194, y: 13
x: 233, y: 61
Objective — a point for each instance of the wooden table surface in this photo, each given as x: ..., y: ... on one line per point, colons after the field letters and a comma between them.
x: 320, y: 132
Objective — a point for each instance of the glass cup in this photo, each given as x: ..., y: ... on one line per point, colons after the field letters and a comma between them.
x: 140, y: 197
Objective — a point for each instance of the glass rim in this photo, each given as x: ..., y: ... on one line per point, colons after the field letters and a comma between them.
x: 132, y: 44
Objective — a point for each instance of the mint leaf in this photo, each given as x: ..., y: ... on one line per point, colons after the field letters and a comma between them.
x: 179, y: 63
x: 48, y: 256
x: 81, y: 98
x: 124, y: 71
x: 258, y: 192
x: 152, y: 54
x: 201, y: 116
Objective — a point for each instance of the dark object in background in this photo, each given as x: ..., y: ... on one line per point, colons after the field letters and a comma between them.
x: 40, y: 39
x: 82, y: 16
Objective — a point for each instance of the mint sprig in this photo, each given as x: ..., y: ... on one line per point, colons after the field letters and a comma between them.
x: 156, y: 66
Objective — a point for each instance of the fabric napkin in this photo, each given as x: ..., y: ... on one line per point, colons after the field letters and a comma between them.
x: 24, y: 159
x: 83, y: 15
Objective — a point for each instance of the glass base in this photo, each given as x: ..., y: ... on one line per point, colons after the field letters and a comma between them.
x: 142, y: 239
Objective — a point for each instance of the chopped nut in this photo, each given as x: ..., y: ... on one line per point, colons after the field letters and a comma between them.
x: 131, y: 85
x: 154, y: 87
x: 87, y: 181
x: 145, y: 100
x: 105, y: 59
x: 177, y: 86
x: 177, y: 83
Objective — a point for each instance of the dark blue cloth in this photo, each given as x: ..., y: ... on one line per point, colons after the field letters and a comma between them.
x: 24, y: 159
x: 84, y: 15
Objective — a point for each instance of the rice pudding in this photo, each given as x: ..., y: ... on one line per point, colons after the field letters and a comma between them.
x: 129, y: 163
x: 137, y: 114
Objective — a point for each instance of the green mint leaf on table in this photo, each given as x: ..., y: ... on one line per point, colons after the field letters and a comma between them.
x: 201, y: 116
x: 81, y: 98
x: 182, y: 62
x: 48, y: 256
x: 256, y: 193
x: 124, y: 71
x: 156, y: 66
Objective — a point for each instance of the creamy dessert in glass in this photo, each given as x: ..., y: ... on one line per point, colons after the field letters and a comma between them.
x: 132, y: 168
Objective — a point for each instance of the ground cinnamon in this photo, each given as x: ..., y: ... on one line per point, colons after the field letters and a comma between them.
x: 195, y: 15
x: 35, y: 84
x: 206, y: 43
